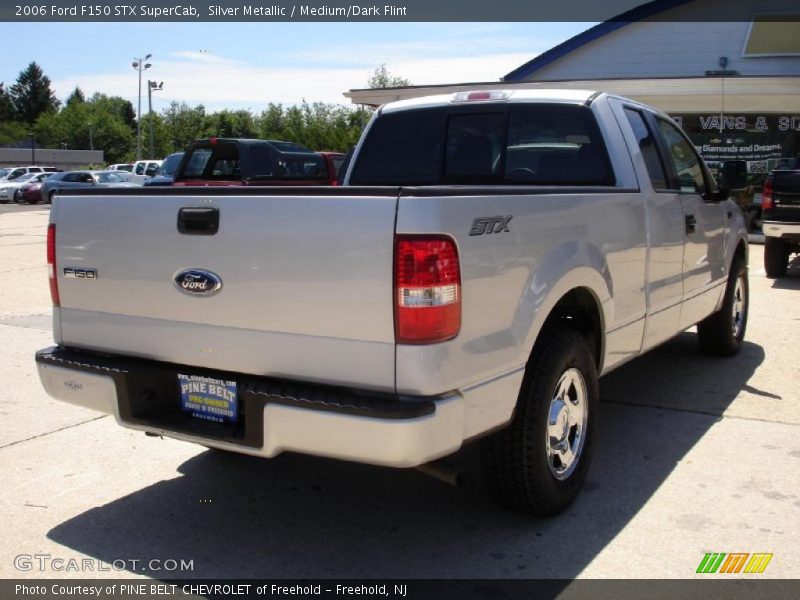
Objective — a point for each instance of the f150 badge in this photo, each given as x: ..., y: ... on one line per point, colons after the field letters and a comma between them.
x: 489, y: 225
x: 77, y: 273
x: 198, y: 282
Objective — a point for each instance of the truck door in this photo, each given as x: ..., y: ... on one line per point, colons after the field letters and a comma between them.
x: 665, y: 227
x: 704, y: 221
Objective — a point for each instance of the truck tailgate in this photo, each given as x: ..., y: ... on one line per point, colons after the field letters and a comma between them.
x: 786, y: 196
x: 306, y: 281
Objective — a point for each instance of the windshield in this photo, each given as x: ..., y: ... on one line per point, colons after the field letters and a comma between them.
x: 26, y: 177
x: 170, y: 165
x: 109, y: 177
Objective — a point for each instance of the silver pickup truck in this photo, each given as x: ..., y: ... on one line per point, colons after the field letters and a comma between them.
x: 489, y: 256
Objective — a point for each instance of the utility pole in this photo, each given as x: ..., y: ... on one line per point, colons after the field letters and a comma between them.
x: 140, y: 65
x: 152, y: 86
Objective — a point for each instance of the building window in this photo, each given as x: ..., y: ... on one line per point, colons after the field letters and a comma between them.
x: 773, y: 35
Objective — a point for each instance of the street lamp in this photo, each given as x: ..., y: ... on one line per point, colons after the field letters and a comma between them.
x: 140, y: 65
x: 152, y: 86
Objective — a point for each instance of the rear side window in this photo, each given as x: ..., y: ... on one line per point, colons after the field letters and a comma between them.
x: 140, y: 168
x: 555, y: 145
x: 534, y: 144
x: 647, y: 145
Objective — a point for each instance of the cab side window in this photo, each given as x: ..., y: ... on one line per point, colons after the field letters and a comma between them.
x: 684, y: 159
x: 140, y: 168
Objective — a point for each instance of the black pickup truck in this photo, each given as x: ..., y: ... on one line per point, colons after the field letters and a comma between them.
x: 780, y: 204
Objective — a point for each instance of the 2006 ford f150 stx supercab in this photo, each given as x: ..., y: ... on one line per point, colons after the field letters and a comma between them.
x: 489, y: 255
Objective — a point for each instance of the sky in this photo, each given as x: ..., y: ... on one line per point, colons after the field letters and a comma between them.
x: 248, y: 65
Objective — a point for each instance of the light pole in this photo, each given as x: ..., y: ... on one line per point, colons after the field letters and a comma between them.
x: 140, y: 65
x: 152, y: 86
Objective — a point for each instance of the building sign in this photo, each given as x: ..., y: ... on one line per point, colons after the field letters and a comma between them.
x: 759, y: 139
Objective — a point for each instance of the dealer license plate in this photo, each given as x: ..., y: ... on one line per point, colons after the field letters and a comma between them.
x: 209, y: 399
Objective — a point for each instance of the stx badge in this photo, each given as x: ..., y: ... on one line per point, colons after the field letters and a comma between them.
x: 489, y: 225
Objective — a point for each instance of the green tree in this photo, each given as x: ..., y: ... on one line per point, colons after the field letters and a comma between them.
x: 184, y: 123
x: 76, y: 96
x: 83, y: 126
x: 8, y: 112
x: 382, y: 78
x: 12, y: 132
x: 232, y: 124
x: 32, y: 95
x: 162, y: 142
x: 115, y: 105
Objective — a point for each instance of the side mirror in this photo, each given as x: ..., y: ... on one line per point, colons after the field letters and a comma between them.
x: 721, y: 194
x: 733, y: 174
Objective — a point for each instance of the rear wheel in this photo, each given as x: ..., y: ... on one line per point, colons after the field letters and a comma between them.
x: 776, y: 257
x: 722, y: 333
x: 539, y: 462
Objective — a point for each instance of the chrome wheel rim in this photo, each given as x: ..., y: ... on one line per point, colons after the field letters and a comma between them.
x: 739, y: 307
x: 566, y: 424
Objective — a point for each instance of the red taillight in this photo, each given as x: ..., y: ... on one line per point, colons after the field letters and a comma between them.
x: 766, y: 194
x: 427, y: 288
x: 51, y: 263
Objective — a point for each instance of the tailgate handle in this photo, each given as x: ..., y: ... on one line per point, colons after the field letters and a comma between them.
x: 194, y: 220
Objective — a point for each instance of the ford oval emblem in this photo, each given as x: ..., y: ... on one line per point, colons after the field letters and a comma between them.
x: 198, y: 282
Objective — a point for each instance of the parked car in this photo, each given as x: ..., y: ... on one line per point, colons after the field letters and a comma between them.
x: 488, y: 256
x: 16, y: 172
x: 81, y: 179
x: 8, y: 189
x: 31, y: 191
x: 166, y: 171
x: 229, y: 161
x: 120, y: 167
x: 780, y: 204
x: 143, y: 170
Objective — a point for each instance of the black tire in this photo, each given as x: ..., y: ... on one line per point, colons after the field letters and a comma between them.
x: 515, y: 463
x: 776, y: 257
x: 722, y: 333
x: 50, y: 197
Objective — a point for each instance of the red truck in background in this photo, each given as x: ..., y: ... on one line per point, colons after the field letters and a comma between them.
x: 226, y: 162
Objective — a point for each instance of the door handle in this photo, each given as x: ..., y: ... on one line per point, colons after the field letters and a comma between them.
x: 198, y: 220
x: 691, y: 223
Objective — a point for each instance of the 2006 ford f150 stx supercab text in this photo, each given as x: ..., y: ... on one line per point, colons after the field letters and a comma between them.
x: 489, y: 256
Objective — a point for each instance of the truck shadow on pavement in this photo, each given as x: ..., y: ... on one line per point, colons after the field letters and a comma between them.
x: 298, y: 516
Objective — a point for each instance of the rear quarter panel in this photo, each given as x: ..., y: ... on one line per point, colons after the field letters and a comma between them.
x: 511, y: 281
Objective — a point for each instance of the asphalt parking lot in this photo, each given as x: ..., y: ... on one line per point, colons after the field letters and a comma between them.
x: 695, y: 455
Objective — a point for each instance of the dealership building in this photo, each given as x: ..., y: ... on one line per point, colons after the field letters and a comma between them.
x: 733, y: 86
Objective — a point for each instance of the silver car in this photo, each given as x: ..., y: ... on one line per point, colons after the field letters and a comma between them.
x: 82, y: 179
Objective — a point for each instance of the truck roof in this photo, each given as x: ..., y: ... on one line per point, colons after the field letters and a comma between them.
x: 512, y: 95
